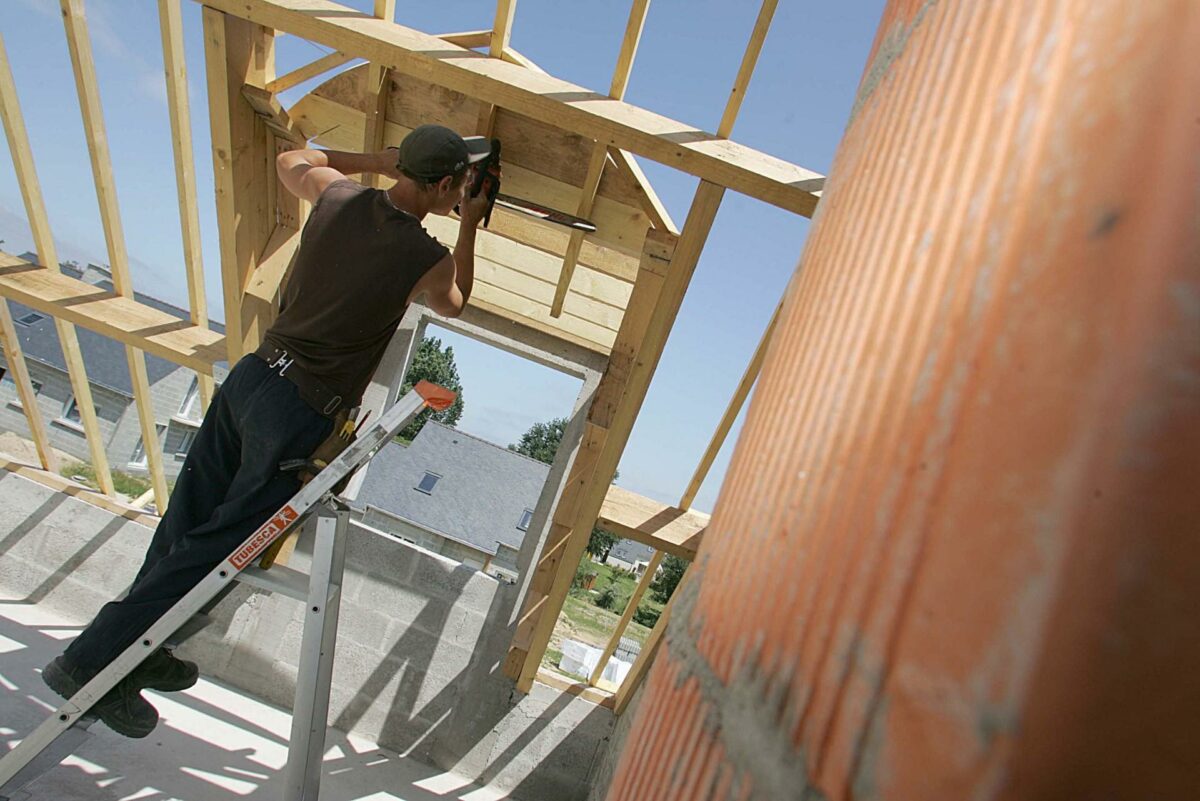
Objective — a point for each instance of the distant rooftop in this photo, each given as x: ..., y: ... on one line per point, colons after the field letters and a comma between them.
x: 480, y: 493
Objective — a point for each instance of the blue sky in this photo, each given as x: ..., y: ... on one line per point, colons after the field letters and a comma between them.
x: 796, y: 108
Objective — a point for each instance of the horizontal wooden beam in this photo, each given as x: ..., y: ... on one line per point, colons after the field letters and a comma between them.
x: 662, y: 527
x: 120, y: 318
x: 79, y: 492
x: 541, y: 97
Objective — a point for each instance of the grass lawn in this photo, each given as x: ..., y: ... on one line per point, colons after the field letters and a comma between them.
x: 133, y: 486
x: 583, y: 621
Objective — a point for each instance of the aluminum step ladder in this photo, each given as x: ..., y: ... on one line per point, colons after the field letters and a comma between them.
x: 314, y: 506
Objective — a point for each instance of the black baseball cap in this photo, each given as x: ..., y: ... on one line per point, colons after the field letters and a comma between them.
x: 434, y: 151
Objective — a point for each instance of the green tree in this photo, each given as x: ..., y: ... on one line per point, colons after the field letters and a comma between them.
x: 601, y: 542
x: 668, y: 579
x: 433, y: 363
x: 541, y: 442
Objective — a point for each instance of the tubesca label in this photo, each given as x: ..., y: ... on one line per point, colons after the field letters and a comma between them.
x: 260, y: 539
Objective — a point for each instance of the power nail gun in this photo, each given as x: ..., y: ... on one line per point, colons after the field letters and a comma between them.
x: 487, y: 179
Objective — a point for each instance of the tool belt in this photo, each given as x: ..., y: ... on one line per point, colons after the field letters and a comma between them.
x: 343, y: 434
x: 313, y: 391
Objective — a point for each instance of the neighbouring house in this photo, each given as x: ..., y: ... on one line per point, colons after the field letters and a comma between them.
x: 174, y: 389
x: 630, y: 555
x: 453, y: 494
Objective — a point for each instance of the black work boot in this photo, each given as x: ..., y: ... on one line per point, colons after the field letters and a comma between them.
x: 162, y: 670
x: 123, y: 709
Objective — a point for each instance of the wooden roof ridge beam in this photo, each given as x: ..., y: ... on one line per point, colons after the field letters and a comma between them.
x: 39, y: 224
x: 175, y: 67
x: 599, y: 157
x: 110, y: 314
x: 88, y: 89
x: 542, y: 97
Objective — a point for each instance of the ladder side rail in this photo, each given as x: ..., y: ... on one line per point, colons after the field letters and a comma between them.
x: 219, y: 577
x: 310, y: 710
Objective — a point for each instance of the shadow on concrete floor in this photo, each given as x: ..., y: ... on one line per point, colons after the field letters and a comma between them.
x: 212, y: 742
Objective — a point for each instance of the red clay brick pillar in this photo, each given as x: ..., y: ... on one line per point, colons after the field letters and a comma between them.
x: 957, y: 553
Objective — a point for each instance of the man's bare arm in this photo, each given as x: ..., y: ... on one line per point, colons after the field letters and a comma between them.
x: 448, y: 284
x: 306, y: 173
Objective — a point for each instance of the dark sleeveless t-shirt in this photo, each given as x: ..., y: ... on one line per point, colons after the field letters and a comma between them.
x: 358, y: 261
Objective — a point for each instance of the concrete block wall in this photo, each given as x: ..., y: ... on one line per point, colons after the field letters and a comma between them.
x: 418, y: 661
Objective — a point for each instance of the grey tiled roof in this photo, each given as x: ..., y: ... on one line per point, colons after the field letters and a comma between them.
x: 481, y: 494
x: 631, y: 552
x: 104, y: 358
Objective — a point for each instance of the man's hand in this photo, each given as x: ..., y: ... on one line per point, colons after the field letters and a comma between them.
x: 388, y: 163
x: 473, y: 209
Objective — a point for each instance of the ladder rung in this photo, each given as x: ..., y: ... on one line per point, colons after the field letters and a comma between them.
x: 281, y: 578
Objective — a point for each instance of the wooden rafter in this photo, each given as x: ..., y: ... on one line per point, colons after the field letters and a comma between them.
x: 175, y: 66
x: 14, y: 358
x: 311, y: 70
x: 79, y: 45
x: 543, y: 98
x: 377, y: 88
x: 39, y: 224
x: 731, y: 412
x: 497, y: 45
x: 631, y: 606
x: 514, y: 56
x: 646, y: 656
x: 468, y: 39
x: 110, y: 314
x: 599, y: 157
x: 749, y: 59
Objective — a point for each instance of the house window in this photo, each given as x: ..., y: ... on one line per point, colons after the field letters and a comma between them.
x: 188, y: 407
x: 138, y: 459
x: 185, y: 444
x: 10, y: 385
x: 70, y: 414
x: 526, y: 518
x: 30, y: 319
x: 428, y: 482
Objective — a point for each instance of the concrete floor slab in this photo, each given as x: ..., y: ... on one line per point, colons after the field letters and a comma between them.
x: 213, y: 741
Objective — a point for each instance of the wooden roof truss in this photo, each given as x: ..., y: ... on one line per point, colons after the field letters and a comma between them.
x: 614, y: 293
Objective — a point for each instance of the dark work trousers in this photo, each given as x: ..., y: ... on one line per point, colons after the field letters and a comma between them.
x: 229, y: 485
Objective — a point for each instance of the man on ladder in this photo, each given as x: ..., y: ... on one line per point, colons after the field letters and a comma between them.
x: 364, y: 256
